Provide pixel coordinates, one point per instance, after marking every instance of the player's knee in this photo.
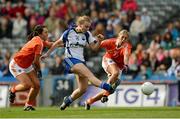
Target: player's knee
(115, 74)
(82, 89)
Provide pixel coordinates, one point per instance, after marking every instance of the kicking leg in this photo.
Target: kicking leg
(114, 72)
(82, 87)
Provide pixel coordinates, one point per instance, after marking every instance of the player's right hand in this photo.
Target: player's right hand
(43, 57)
(100, 37)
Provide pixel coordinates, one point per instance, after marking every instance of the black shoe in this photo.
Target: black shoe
(104, 99)
(29, 108)
(64, 104)
(87, 106)
(11, 97)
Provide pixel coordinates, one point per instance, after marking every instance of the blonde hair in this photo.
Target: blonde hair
(83, 19)
(124, 32)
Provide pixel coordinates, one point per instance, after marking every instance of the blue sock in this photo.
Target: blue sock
(105, 86)
(68, 100)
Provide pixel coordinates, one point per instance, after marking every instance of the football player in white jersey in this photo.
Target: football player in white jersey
(75, 40)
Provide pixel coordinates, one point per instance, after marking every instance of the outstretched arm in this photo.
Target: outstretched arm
(48, 44)
(96, 44)
(58, 43)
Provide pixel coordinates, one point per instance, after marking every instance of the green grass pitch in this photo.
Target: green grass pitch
(79, 112)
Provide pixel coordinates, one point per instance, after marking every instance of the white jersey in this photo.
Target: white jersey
(75, 42)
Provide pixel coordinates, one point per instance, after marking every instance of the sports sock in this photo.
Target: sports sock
(68, 100)
(105, 86)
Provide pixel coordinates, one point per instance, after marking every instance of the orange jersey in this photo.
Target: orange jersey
(25, 57)
(114, 53)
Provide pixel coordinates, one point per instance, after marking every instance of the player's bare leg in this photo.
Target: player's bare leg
(85, 75)
(113, 73)
(25, 84)
(103, 96)
(100, 96)
(92, 100)
(82, 87)
(33, 91)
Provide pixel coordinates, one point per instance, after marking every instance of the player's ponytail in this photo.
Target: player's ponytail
(36, 31)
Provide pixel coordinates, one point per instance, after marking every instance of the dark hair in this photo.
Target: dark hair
(36, 31)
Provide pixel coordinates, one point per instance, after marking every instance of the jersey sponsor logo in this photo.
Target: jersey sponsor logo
(77, 45)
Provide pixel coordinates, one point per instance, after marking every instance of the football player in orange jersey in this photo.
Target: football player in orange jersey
(25, 66)
(114, 61)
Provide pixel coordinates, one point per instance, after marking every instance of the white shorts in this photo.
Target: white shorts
(106, 62)
(17, 70)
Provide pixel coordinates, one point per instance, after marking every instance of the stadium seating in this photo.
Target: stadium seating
(159, 10)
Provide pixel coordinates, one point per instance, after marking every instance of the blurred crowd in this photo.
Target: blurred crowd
(151, 53)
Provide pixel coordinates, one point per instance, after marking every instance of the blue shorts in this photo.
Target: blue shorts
(70, 62)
